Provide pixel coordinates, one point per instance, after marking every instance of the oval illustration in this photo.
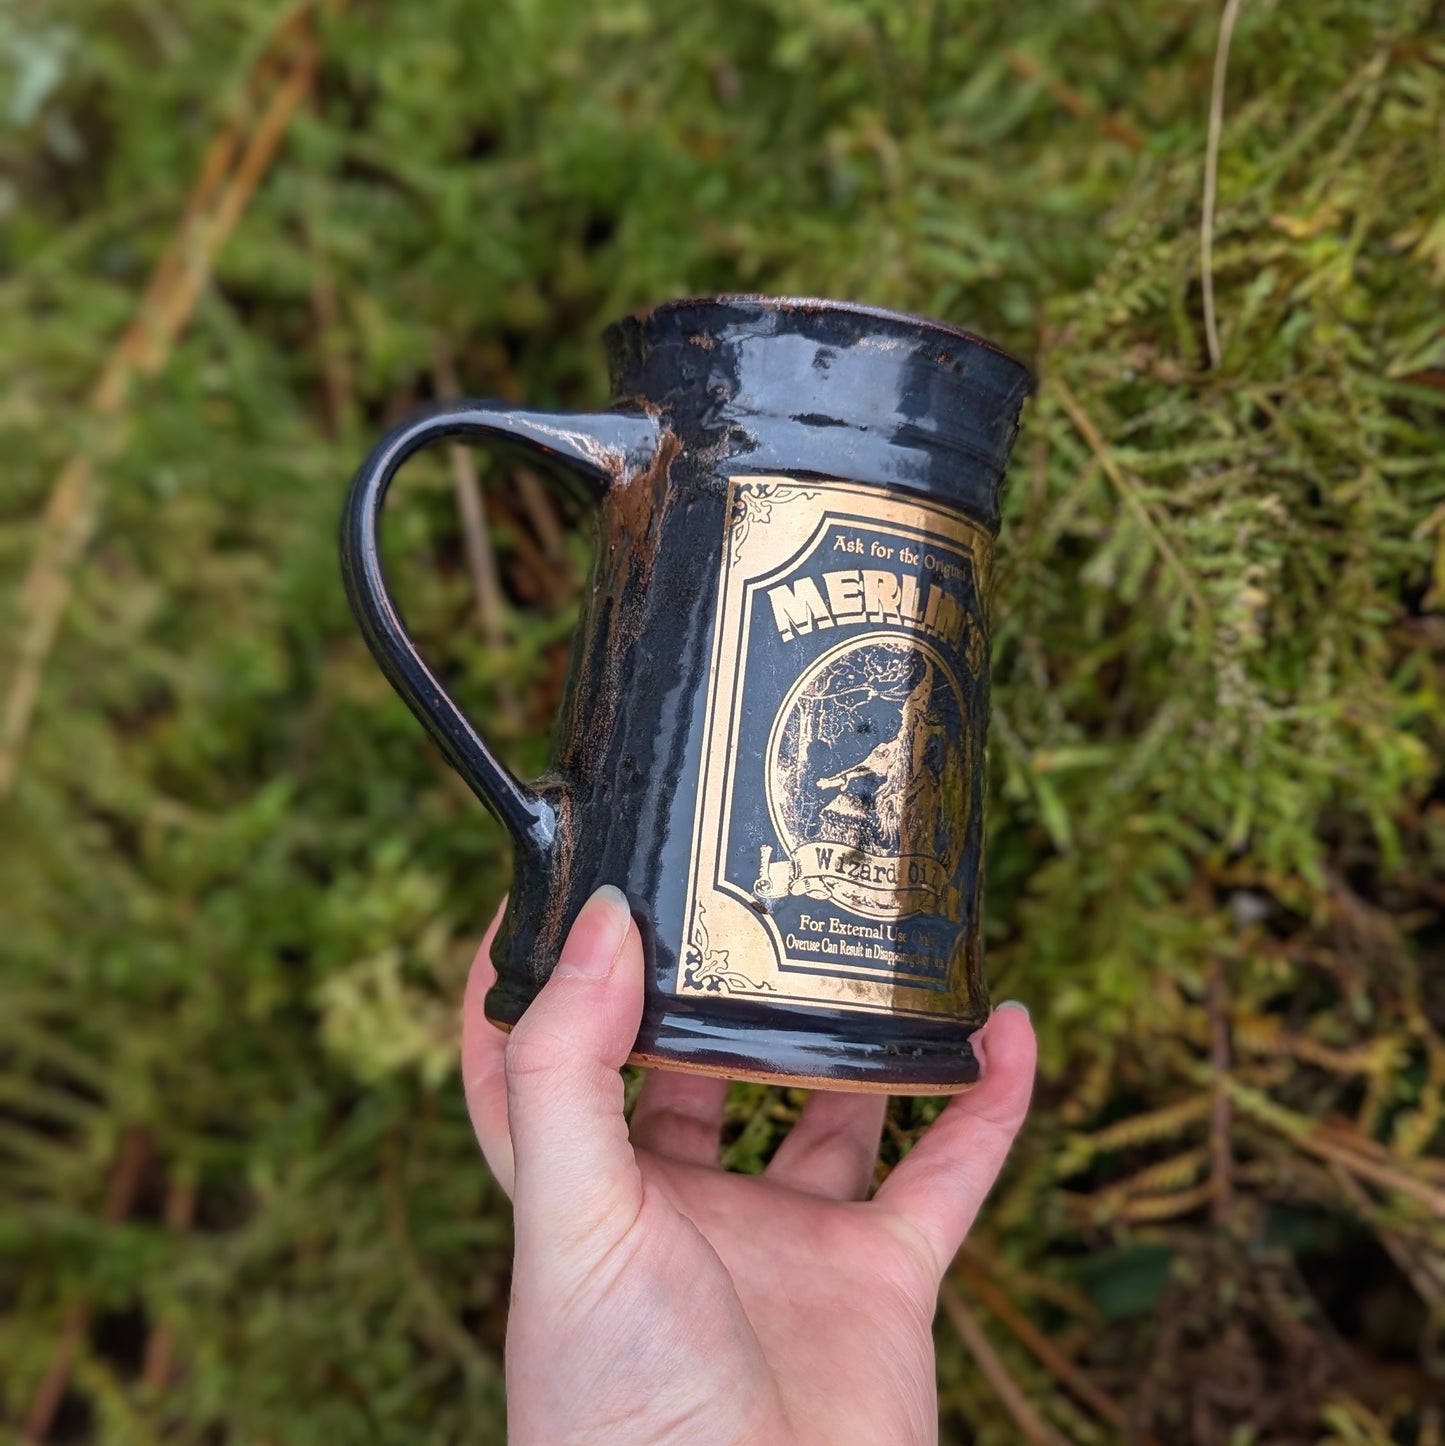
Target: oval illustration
(867, 778)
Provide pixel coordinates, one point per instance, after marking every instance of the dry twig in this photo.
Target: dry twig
(1073, 101)
(435, 1319)
(180, 1211)
(336, 377)
(1327, 1145)
(1211, 175)
(1031, 1425)
(229, 175)
(120, 1197)
(491, 604)
(542, 514)
(1425, 1273)
(1351, 1139)
(1043, 1350)
(1221, 1117)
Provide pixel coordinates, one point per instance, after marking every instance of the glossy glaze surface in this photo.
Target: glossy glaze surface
(706, 393)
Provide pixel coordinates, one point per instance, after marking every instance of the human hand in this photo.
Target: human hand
(656, 1298)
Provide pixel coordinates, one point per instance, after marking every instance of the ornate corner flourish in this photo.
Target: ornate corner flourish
(753, 502)
(707, 968)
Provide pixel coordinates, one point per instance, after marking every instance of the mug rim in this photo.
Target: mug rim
(821, 303)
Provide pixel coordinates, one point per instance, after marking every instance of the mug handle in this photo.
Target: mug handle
(601, 449)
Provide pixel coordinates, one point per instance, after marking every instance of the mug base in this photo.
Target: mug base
(809, 1050)
(757, 1074)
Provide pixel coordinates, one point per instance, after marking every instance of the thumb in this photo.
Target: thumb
(577, 1179)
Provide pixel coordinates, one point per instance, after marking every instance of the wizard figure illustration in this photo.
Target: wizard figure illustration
(894, 796)
(872, 756)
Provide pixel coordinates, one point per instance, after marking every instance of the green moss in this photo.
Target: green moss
(239, 890)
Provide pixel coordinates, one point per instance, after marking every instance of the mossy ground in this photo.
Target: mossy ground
(240, 891)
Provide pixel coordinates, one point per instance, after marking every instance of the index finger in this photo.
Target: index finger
(941, 1183)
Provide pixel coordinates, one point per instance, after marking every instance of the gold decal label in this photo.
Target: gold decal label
(838, 831)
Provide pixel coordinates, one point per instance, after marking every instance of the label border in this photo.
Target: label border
(855, 985)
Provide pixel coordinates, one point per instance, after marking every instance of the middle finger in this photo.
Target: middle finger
(680, 1115)
(833, 1148)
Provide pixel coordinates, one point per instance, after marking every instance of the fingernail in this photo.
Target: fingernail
(596, 938)
(1014, 1004)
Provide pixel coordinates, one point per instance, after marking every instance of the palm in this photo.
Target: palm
(839, 1305)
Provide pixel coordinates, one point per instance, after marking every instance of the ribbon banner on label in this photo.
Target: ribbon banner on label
(869, 884)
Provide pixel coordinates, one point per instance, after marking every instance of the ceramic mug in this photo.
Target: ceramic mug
(772, 733)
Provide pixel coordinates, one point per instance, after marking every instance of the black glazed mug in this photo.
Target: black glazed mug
(772, 733)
